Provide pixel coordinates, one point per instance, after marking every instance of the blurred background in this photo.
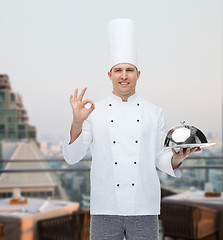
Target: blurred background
(49, 48)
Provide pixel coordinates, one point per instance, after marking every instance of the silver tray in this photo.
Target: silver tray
(201, 145)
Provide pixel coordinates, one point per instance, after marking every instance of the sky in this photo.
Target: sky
(50, 47)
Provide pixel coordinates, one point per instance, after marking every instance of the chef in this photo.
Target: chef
(125, 133)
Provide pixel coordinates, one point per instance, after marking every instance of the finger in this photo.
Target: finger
(86, 101)
(193, 149)
(92, 105)
(173, 150)
(75, 94)
(91, 108)
(82, 94)
(198, 149)
(181, 152)
(188, 151)
(71, 99)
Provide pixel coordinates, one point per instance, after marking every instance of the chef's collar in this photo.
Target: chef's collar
(119, 99)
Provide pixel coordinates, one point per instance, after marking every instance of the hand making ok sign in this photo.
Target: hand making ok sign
(80, 113)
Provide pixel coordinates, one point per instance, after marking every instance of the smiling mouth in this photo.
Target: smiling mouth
(123, 83)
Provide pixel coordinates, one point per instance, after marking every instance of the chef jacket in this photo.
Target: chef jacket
(126, 141)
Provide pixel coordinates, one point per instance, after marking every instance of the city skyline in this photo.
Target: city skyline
(49, 48)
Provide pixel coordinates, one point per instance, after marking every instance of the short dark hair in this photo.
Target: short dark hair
(132, 65)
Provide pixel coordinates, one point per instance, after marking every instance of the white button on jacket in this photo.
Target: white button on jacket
(126, 140)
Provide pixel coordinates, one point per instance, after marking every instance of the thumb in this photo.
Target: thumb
(174, 152)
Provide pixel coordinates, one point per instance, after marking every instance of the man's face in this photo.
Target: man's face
(124, 77)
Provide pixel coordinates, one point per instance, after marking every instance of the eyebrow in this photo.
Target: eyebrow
(117, 69)
(129, 68)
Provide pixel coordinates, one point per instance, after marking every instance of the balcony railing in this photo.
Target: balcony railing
(74, 180)
(68, 169)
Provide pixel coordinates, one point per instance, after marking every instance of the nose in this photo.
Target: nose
(124, 75)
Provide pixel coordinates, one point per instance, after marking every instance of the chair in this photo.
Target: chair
(165, 193)
(85, 232)
(2, 230)
(186, 221)
(75, 226)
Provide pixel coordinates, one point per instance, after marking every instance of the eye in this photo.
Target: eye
(130, 70)
(117, 70)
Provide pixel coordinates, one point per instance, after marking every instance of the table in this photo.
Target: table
(198, 198)
(21, 220)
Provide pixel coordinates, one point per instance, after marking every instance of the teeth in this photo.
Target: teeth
(124, 83)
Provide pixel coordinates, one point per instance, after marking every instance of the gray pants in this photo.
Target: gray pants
(114, 227)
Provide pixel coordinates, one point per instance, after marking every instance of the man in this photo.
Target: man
(126, 135)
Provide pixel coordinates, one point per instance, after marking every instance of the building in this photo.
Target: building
(20, 150)
(32, 184)
(13, 116)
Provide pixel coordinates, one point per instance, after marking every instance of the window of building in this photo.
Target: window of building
(3, 112)
(34, 194)
(12, 127)
(21, 135)
(12, 97)
(2, 96)
(22, 127)
(3, 119)
(2, 135)
(3, 105)
(49, 194)
(13, 112)
(12, 135)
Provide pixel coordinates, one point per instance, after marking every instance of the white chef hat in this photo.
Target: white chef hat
(122, 42)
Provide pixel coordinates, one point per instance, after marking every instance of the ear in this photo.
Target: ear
(109, 75)
(138, 74)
